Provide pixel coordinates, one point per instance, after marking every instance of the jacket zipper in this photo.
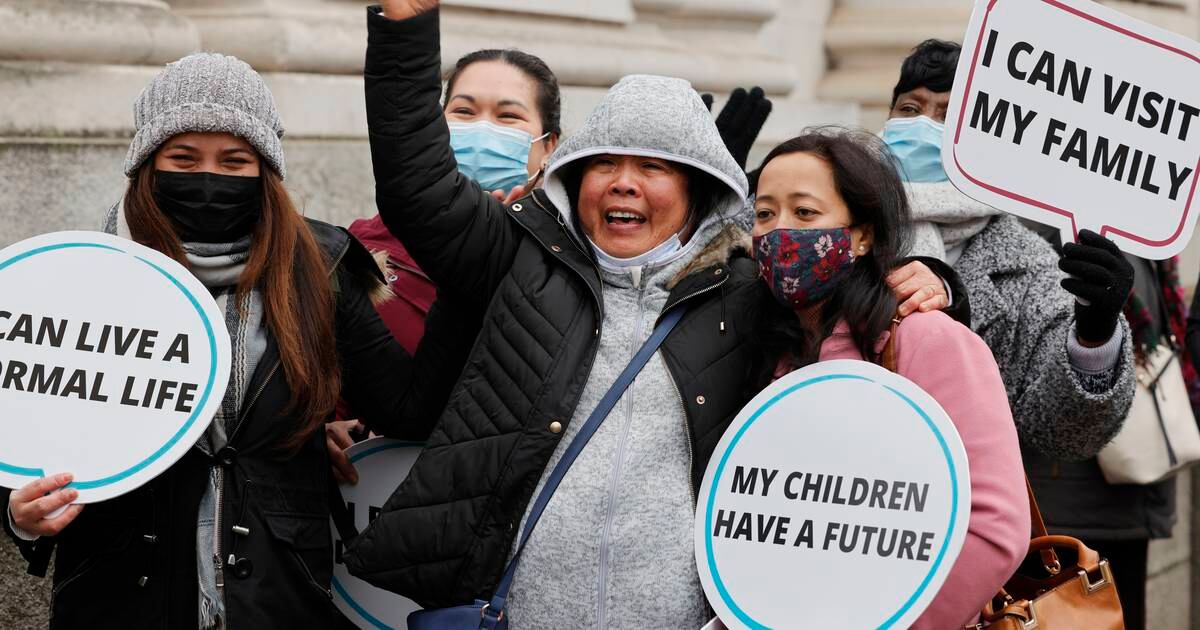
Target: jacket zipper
(83, 569)
(218, 560)
(693, 294)
(614, 477)
(687, 432)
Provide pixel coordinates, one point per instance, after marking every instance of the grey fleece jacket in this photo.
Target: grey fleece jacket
(614, 547)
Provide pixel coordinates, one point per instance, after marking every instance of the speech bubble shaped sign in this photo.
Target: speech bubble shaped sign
(834, 472)
(113, 361)
(1071, 114)
(382, 463)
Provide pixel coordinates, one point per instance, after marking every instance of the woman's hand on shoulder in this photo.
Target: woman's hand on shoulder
(516, 193)
(404, 9)
(31, 505)
(917, 288)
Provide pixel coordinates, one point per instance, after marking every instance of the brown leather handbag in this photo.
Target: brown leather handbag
(1051, 594)
(1046, 593)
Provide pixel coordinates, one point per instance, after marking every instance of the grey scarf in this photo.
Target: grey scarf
(218, 266)
(944, 219)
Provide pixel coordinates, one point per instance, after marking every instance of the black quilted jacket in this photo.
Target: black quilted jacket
(444, 535)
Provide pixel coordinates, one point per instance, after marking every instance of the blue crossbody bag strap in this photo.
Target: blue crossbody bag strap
(494, 611)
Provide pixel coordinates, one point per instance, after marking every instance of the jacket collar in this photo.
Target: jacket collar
(987, 257)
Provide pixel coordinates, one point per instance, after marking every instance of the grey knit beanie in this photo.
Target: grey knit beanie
(206, 92)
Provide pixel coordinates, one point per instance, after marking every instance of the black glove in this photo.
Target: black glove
(740, 120)
(1100, 276)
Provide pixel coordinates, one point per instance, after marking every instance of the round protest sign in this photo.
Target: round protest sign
(382, 464)
(838, 498)
(113, 361)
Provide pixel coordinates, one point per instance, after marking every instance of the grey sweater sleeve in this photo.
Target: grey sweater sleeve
(1059, 411)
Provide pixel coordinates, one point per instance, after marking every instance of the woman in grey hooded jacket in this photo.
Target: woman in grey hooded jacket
(566, 284)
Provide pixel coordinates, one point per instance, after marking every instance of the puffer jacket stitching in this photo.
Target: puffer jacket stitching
(506, 470)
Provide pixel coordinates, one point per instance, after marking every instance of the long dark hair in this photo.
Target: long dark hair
(549, 99)
(866, 178)
(289, 268)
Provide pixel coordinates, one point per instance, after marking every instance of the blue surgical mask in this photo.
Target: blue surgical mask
(917, 144)
(495, 157)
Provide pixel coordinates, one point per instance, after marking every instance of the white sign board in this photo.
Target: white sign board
(382, 464)
(837, 475)
(113, 361)
(1071, 114)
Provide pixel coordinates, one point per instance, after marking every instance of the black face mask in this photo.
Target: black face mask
(209, 208)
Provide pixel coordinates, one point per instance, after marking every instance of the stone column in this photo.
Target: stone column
(773, 44)
(867, 40)
(69, 71)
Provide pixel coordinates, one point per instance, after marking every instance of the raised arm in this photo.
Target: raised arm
(457, 233)
(395, 394)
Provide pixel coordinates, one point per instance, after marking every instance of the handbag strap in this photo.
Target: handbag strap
(890, 357)
(1049, 557)
(1035, 513)
(494, 610)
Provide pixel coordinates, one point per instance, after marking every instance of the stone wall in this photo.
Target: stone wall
(70, 70)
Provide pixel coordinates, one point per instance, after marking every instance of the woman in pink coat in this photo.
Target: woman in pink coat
(831, 217)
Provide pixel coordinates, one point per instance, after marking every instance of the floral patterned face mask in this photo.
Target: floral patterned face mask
(803, 267)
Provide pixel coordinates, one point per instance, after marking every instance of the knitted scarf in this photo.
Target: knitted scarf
(218, 266)
(943, 218)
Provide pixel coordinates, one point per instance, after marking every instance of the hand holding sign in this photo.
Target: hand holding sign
(37, 508)
(1101, 279)
(384, 463)
(1054, 118)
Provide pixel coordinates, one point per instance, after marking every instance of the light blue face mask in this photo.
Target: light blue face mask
(494, 156)
(917, 144)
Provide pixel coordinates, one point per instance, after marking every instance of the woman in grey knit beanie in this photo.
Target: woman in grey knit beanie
(236, 533)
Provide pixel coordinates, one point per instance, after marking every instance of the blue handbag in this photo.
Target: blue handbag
(489, 615)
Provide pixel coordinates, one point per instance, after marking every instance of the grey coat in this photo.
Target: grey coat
(1024, 315)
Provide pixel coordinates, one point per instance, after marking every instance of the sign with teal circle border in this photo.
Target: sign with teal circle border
(382, 463)
(815, 489)
(114, 359)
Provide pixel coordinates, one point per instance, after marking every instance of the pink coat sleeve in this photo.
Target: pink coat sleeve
(956, 367)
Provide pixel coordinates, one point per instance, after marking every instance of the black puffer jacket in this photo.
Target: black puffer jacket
(444, 536)
(131, 562)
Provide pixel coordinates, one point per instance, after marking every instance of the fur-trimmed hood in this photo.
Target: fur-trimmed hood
(730, 241)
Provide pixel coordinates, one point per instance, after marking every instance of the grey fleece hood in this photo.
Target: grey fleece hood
(652, 116)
